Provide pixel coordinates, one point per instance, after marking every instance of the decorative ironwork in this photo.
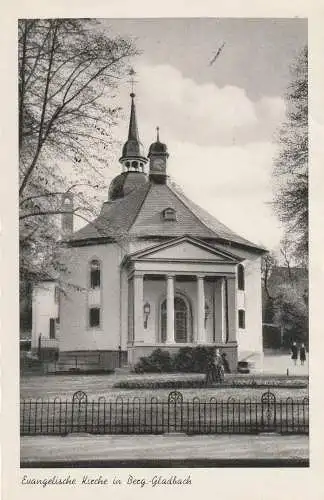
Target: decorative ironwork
(79, 397)
(268, 401)
(175, 397)
(154, 416)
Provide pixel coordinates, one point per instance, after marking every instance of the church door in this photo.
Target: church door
(181, 320)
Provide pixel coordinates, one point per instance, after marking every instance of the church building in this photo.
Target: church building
(155, 270)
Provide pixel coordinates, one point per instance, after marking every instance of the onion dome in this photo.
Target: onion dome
(125, 183)
(158, 147)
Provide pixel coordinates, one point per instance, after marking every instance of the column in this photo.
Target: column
(223, 310)
(170, 309)
(138, 308)
(201, 333)
(232, 309)
(220, 310)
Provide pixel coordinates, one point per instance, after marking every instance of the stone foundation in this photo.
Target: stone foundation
(87, 360)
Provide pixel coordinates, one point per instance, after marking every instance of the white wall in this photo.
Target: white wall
(44, 307)
(75, 332)
(250, 338)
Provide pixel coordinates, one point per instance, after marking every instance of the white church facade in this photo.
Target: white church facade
(154, 270)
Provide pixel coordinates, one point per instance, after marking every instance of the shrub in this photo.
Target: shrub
(158, 361)
(183, 360)
(193, 359)
(187, 360)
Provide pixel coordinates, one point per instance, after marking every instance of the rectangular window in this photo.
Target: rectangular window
(241, 318)
(95, 278)
(52, 328)
(94, 317)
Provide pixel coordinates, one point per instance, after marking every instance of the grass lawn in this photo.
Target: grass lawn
(64, 386)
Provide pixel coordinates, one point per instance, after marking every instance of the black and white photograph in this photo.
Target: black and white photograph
(163, 245)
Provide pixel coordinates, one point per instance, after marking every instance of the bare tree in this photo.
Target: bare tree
(69, 71)
(268, 262)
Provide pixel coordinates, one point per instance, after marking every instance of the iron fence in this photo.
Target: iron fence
(154, 416)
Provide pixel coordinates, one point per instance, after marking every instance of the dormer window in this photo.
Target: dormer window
(169, 214)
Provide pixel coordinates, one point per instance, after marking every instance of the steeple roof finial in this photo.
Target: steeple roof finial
(158, 134)
(132, 153)
(132, 130)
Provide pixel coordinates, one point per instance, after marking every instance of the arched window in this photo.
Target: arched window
(240, 277)
(241, 318)
(182, 320)
(94, 274)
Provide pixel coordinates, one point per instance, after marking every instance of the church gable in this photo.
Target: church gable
(185, 249)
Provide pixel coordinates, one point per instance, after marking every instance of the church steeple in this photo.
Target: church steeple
(133, 158)
(133, 130)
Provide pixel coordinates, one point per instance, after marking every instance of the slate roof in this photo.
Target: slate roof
(139, 215)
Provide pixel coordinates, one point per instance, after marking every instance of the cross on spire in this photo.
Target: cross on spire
(132, 80)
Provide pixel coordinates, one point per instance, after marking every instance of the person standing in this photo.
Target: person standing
(302, 354)
(218, 367)
(225, 363)
(294, 352)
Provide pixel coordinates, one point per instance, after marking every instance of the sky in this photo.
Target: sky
(219, 121)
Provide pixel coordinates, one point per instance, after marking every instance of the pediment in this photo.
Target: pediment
(185, 249)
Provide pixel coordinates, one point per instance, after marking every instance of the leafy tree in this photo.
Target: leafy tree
(291, 165)
(285, 297)
(68, 71)
(291, 312)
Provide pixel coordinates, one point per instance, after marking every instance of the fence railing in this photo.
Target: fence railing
(154, 416)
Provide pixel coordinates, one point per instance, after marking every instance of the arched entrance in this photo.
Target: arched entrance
(182, 320)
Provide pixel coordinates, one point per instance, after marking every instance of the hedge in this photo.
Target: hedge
(238, 383)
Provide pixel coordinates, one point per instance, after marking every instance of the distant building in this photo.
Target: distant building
(154, 270)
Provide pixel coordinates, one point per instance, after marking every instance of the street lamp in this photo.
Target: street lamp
(147, 310)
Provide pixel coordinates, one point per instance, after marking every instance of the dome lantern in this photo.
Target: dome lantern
(158, 155)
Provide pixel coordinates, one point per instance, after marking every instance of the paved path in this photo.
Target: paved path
(170, 446)
(279, 363)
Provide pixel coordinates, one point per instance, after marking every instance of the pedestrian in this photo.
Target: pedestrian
(294, 352)
(302, 354)
(218, 371)
(209, 372)
(225, 363)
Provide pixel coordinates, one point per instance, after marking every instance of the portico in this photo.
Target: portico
(190, 301)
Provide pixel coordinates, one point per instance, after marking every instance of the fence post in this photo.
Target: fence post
(39, 345)
(119, 356)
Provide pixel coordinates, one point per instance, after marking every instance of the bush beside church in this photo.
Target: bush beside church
(186, 360)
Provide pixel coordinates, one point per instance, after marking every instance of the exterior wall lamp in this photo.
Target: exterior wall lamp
(147, 310)
(207, 311)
